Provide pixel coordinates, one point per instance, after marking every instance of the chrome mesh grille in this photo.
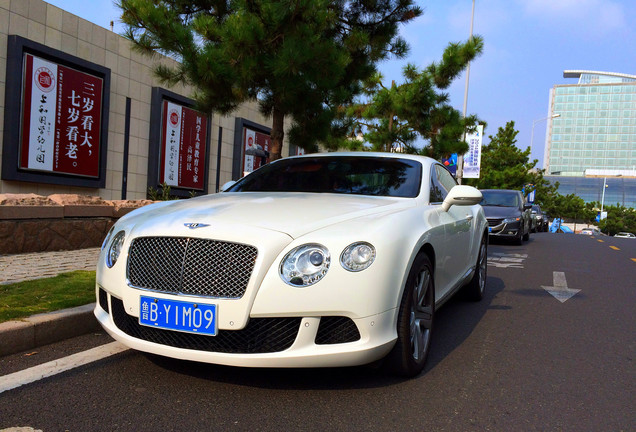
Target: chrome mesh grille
(192, 266)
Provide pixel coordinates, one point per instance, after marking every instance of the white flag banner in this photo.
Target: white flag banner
(472, 159)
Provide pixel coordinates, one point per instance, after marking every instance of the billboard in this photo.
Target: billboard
(472, 159)
(183, 146)
(56, 117)
(255, 149)
(61, 119)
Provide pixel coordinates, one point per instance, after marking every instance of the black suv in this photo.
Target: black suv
(539, 218)
(507, 213)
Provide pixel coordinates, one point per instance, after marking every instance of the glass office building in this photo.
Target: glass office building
(593, 125)
(591, 137)
(618, 190)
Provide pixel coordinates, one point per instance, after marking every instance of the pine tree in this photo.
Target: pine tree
(506, 166)
(398, 114)
(298, 58)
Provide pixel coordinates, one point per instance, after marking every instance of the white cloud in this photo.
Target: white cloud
(591, 16)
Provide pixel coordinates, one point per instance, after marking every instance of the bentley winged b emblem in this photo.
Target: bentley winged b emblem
(195, 225)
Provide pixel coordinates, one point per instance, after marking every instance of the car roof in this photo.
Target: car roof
(370, 154)
(506, 191)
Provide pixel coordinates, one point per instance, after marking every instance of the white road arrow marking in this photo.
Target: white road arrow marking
(560, 290)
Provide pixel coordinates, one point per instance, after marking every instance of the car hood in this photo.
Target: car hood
(497, 212)
(294, 214)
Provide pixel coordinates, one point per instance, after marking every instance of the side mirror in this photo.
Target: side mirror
(227, 185)
(463, 196)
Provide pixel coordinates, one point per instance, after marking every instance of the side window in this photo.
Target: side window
(441, 183)
(445, 178)
(437, 192)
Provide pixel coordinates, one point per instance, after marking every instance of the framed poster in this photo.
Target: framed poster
(57, 109)
(255, 149)
(179, 144)
(252, 143)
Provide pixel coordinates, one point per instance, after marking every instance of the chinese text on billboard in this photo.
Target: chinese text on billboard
(184, 138)
(61, 119)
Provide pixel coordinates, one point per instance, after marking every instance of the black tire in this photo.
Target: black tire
(476, 288)
(519, 238)
(415, 321)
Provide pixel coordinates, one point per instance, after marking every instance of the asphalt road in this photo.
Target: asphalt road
(521, 360)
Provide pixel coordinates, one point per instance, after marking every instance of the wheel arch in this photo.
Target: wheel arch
(428, 249)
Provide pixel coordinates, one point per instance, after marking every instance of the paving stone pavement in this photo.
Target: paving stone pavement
(20, 267)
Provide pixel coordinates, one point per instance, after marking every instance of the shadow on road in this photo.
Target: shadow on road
(454, 323)
(457, 319)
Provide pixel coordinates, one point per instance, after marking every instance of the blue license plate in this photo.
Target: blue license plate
(189, 317)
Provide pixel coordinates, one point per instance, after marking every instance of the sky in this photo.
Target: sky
(527, 46)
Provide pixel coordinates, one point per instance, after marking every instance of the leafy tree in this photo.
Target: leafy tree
(297, 58)
(571, 207)
(619, 218)
(589, 213)
(503, 164)
(399, 114)
(506, 166)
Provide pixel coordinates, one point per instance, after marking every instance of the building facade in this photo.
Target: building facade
(593, 125)
(82, 113)
(591, 137)
(618, 190)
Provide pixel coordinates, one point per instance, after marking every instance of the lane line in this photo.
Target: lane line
(600, 241)
(55, 367)
(614, 247)
(634, 259)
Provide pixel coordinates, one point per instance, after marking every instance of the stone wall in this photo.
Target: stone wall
(48, 235)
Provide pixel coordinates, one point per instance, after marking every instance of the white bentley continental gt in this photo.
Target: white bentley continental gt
(334, 259)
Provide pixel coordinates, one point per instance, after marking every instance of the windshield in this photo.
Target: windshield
(375, 176)
(499, 198)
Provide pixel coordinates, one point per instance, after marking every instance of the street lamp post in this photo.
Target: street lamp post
(460, 157)
(605, 185)
(534, 123)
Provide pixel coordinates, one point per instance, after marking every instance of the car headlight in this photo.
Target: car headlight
(357, 256)
(305, 265)
(115, 248)
(511, 220)
(110, 232)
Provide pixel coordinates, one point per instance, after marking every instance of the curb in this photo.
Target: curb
(43, 329)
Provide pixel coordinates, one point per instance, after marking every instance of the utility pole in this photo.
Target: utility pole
(460, 158)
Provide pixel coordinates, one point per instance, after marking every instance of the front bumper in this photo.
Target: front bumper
(299, 344)
(504, 229)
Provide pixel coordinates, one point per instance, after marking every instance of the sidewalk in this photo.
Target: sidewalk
(42, 329)
(17, 268)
